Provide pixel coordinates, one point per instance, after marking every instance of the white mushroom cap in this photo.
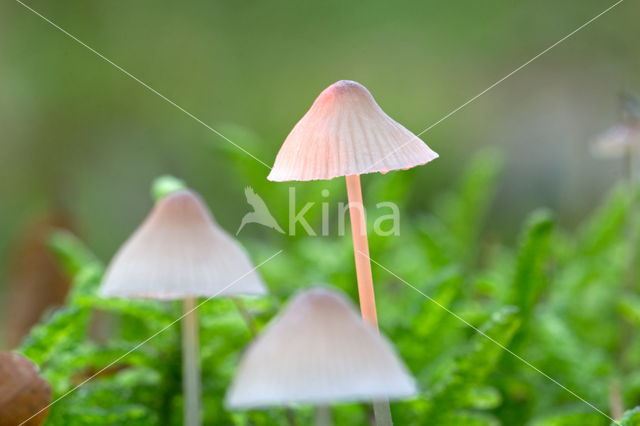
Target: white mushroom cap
(179, 251)
(319, 351)
(616, 141)
(346, 133)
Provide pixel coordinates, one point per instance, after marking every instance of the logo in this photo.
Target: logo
(260, 214)
(383, 224)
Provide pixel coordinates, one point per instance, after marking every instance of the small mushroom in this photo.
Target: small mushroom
(317, 351)
(622, 140)
(179, 252)
(617, 141)
(24, 395)
(346, 133)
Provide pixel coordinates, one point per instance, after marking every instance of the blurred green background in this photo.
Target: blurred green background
(81, 142)
(77, 132)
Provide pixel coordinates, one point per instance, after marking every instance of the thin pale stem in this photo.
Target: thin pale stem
(361, 251)
(366, 292)
(382, 413)
(191, 364)
(627, 165)
(323, 415)
(632, 221)
(616, 402)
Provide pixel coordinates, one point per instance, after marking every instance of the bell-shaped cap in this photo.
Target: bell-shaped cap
(617, 141)
(346, 133)
(179, 251)
(318, 351)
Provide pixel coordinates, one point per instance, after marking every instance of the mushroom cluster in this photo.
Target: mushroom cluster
(317, 351)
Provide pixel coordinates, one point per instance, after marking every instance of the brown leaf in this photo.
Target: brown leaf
(35, 281)
(23, 392)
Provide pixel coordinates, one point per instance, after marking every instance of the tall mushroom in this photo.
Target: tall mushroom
(346, 133)
(179, 252)
(317, 351)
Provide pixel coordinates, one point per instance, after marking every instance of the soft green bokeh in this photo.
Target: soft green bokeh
(479, 325)
(80, 136)
(82, 139)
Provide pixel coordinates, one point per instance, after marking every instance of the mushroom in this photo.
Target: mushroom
(346, 133)
(24, 395)
(179, 252)
(317, 351)
(623, 139)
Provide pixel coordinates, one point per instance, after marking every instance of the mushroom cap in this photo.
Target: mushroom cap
(179, 251)
(23, 392)
(616, 141)
(346, 133)
(318, 351)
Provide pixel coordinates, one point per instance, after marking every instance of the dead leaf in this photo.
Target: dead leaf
(23, 392)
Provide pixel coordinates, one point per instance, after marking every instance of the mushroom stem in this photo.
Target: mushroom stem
(191, 364)
(616, 403)
(365, 278)
(627, 165)
(382, 413)
(361, 251)
(323, 415)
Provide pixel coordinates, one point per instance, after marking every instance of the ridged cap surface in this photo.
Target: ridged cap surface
(179, 251)
(346, 133)
(319, 351)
